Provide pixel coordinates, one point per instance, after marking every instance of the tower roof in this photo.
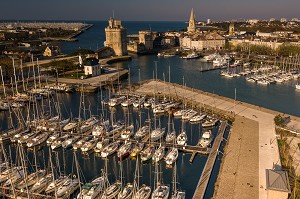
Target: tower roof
(192, 17)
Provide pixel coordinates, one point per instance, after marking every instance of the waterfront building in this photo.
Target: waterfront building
(245, 41)
(146, 37)
(192, 23)
(202, 41)
(92, 67)
(116, 37)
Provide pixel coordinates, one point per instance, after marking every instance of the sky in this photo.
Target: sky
(147, 10)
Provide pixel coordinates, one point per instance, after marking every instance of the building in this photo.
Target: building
(231, 31)
(116, 37)
(282, 20)
(202, 41)
(146, 37)
(104, 52)
(92, 67)
(192, 23)
(268, 43)
(49, 52)
(277, 184)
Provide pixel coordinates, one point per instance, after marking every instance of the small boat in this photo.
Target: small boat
(147, 153)
(39, 139)
(42, 184)
(110, 149)
(127, 132)
(137, 149)
(89, 145)
(161, 192)
(197, 118)
(92, 189)
(142, 132)
(157, 134)
(181, 138)
(67, 188)
(192, 55)
(124, 151)
(172, 156)
(159, 154)
(112, 191)
(127, 192)
(210, 123)
(206, 139)
(57, 183)
(144, 192)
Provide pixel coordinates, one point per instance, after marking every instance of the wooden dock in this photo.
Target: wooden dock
(205, 176)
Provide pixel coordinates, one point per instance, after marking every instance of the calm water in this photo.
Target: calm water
(282, 98)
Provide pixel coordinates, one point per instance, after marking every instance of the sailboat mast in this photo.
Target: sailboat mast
(22, 72)
(3, 82)
(15, 76)
(33, 72)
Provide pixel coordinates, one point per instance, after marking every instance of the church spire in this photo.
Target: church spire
(192, 22)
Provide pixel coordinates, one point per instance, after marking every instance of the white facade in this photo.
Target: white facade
(94, 70)
(202, 41)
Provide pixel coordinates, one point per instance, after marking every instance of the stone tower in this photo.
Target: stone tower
(192, 23)
(116, 37)
(231, 29)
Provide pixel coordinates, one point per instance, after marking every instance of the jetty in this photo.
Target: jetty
(267, 147)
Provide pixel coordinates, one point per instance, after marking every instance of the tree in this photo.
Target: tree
(278, 120)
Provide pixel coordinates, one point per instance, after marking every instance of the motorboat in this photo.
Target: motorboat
(182, 138)
(206, 139)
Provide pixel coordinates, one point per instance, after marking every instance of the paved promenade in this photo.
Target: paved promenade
(259, 121)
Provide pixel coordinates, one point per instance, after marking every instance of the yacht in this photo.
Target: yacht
(182, 138)
(147, 153)
(39, 139)
(42, 184)
(67, 188)
(137, 149)
(127, 192)
(159, 154)
(88, 124)
(58, 142)
(69, 142)
(124, 151)
(206, 139)
(197, 118)
(92, 189)
(170, 137)
(110, 149)
(89, 145)
(142, 132)
(172, 156)
(161, 192)
(209, 123)
(77, 145)
(54, 185)
(157, 134)
(127, 132)
(112, 191)
(100, 145)
(52, 138)
(143, 193)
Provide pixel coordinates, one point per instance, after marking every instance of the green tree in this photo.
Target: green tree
(278, 120)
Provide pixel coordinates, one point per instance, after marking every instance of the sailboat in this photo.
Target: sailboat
(159, 154)
(68, 187)
(172, 156)
(177, 194)
(92, 189)
(181, 138)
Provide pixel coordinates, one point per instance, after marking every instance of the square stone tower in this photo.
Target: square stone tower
(116, 37)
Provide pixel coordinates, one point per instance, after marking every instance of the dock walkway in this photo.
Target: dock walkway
(205, 176)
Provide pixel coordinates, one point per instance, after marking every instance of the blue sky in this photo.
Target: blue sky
(147, 10)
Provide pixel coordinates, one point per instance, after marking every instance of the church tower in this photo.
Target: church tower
(192, 23)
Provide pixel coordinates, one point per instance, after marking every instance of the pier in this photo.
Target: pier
(205, 176)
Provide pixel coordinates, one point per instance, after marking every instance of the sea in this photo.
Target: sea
(283, 98)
